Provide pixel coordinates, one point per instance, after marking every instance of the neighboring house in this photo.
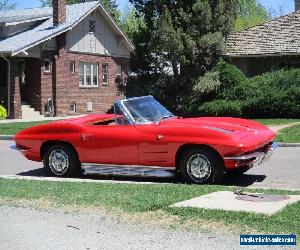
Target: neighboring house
(272, 45)
(70, 53)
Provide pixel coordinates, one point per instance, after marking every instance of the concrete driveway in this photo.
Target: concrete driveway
(282, 171)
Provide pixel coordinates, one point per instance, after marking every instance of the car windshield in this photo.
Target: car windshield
(144, 110)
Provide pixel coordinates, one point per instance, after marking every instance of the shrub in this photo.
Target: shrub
(221, 108)
(274, 104)
(230, 77)
(3, 113)
(271, 95)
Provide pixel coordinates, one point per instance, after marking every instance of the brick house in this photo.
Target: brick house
(272, 45)
(69, 53)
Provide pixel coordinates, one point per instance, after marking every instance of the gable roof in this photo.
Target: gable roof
(45, 31)
(280, 36)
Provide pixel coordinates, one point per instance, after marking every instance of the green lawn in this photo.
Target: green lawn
(13, 128)
(278, 121)
(152, 200)
(289, 135)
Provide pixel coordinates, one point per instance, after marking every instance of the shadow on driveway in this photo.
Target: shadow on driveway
(244, 180)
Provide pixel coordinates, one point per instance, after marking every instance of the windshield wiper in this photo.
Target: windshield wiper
(164, 117)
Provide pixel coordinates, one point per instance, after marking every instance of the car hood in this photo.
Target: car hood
(218, 123)
(247, 133)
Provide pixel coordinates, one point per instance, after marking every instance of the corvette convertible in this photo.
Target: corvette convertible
(143, 138)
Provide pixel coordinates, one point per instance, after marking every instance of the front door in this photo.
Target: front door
(111, 144)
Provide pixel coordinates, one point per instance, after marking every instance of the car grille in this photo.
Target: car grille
(264, 149)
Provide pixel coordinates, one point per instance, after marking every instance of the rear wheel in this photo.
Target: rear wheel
(200, 165)
(61, 160)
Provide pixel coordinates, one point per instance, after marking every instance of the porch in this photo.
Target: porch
(24, 87)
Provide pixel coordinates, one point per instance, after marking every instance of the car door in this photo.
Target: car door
(111, 144)
(154, 147)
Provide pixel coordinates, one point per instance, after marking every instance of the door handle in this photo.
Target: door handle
(85, 137)
(159, 137)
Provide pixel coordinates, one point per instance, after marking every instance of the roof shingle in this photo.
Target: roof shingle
(275, 37)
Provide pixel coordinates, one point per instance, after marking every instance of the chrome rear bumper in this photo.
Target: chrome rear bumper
(256, 158)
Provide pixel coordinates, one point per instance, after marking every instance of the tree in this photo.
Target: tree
(110, 6)
(178, 44)
(250, 13)
(130, 22)
(4, 5)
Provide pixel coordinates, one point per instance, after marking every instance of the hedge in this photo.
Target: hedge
(271, 95)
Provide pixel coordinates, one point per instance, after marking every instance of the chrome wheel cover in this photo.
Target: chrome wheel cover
(58, 162)
(199, 168)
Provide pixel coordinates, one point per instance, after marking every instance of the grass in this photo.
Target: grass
(153, 199)
(13, 128)
(289, 135)
(278, 121)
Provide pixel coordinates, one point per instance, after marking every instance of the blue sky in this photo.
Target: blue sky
(36, 3)
(277, 7)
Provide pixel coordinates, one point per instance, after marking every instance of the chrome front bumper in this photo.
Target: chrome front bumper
(256, 158)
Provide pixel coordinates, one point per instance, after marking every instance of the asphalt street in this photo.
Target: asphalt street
(281, 171)
(25, 228)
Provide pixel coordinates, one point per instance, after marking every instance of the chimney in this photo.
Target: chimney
(297, 5)
(59, 12)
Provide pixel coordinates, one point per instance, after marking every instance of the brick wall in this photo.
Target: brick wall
(68, 91)
(103, 96)
(15, 97)
(47, 80)
(60, 77)
(59, 11)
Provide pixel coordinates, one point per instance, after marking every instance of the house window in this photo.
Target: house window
(92, 26)
(73, 107)
(119, 70)
(47, 66)
(88, 75)
(72, 67)
(105, 73)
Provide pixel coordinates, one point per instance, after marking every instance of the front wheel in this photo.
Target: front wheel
(61, 160)
(200, 165)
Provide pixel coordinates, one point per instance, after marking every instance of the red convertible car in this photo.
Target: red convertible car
(142, 138)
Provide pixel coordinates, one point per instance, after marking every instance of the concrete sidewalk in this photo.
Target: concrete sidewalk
(25, 228)
(276, 128)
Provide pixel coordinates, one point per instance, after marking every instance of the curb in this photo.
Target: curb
(7, 137)
(77, 180)
(286, 145)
